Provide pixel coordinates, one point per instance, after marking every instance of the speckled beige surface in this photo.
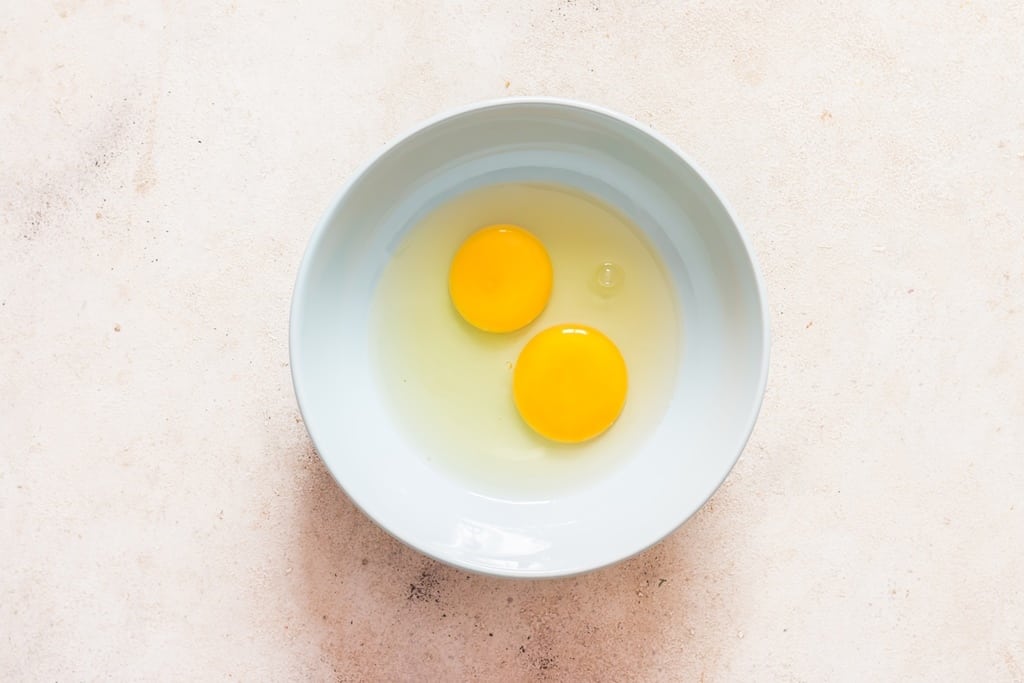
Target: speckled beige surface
(163, 514)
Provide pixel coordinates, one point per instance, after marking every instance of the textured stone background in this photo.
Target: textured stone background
(163, 514)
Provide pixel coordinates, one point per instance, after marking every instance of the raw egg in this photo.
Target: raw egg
(467, 366)
(570, 383)
(500, 279)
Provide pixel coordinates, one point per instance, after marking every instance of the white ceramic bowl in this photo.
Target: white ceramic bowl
(723, 363)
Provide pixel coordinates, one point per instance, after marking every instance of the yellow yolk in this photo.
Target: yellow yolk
(570, 383)
(500, 279)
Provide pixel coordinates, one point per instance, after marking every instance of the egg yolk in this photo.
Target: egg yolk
(500, 279)
(569, 383)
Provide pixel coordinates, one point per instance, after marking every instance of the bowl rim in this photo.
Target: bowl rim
(320, 230)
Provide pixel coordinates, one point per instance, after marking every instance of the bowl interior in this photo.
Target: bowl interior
(721, 375)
